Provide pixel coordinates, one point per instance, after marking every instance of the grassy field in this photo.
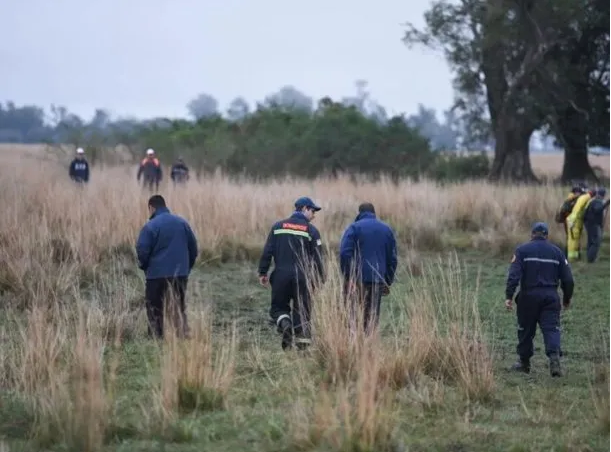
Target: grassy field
(79, 374)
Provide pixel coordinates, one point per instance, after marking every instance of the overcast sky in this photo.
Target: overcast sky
(148, 58)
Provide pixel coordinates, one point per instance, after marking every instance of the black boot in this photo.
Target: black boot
(286, 329)
(554, 366)
(522, 365)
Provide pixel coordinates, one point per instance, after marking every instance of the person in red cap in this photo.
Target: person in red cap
(295, 246)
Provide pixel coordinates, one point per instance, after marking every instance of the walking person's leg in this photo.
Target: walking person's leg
(549, 322)
(301, 313)
(176, 304)
(372, 301)
(527, 316)
(280, 310)
(154, 307)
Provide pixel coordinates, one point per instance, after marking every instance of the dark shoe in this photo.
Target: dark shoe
(554, 366)
(521, 366)
(286, 330)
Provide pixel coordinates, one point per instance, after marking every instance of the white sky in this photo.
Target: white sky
(148, 58)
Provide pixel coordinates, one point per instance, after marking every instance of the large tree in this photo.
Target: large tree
(503, 54)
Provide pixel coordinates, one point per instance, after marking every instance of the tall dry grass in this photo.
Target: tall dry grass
(49, 224)
(352, 380)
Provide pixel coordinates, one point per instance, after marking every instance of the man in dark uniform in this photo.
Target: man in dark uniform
(593, 220)
(179, 172)
(150, 171)
(296, 248)
(537, 266)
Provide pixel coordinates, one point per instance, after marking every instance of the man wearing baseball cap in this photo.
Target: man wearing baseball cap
(79, 168)
(537, 266)
(296, 248)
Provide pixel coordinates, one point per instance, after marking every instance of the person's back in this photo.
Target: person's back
(292, 248)
(595, 212)
(167, 247)
(368, 248)
(179, 172)
(150, 170)
(542, 263)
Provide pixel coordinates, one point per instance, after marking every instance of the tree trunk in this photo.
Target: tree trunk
(511, 153)
(573, 129)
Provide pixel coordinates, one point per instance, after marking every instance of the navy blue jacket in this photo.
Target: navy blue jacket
(538, 266)
(293, 243)
(166, 246)
(79, 170)
(369, 249)
(595, 212)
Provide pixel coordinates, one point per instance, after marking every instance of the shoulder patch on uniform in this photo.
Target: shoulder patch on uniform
(566, 262)
(296, 227)
(318, 242)
(513, 258)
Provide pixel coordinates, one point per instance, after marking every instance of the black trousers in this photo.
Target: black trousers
(166, 297)
(541, 309)
(151, 185)
(287, 286)
(366, 300)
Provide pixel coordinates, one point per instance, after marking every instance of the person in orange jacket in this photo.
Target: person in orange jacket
(150, 171)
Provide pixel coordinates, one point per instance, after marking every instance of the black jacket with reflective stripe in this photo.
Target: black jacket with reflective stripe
(294, 244)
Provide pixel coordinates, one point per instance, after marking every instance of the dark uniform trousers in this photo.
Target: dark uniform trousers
(365, 301)
(594, 240)
(287, 286)
(152, 185)
(540, 307)
(166, 297)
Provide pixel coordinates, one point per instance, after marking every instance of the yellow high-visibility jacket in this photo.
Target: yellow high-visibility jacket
(579, 209)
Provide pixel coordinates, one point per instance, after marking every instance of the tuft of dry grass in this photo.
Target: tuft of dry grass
(196, 372)
(58, 368)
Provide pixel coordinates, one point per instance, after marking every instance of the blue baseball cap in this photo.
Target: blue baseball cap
(306, 202)
(601, 192)
(540, 228)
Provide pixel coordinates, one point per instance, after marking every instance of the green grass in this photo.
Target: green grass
(526, 413)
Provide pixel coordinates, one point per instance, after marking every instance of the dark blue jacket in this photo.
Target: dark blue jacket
(595, 212)
(369, 249)
(79, 170)
(293, 243)
(537, 266)
(166, 246)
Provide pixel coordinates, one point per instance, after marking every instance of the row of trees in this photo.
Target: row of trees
(526, 65)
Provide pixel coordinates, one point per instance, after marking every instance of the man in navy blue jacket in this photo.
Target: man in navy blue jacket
(167, 249)
(79, 168)
(368, 261)
(537, 267)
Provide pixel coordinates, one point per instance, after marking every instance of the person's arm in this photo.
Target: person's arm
(514, 275)
(192, 246)
(347, 248)
(71, 171)
(144, 247)
(391, 258)
(268, 252)
(159, 173)
(566, 281)
(86, 172)
(317, 253)
(140, 169)
(173, 173)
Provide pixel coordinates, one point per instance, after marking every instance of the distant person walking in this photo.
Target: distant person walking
(79, 168)
(166, 249)
(150, 171)
(368, 261)
(593, 220)
(179, 172)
